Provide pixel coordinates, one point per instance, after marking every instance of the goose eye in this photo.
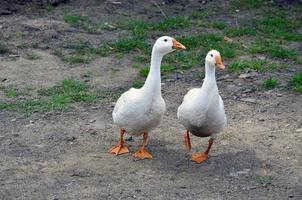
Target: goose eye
(165, 40)
(211, 55)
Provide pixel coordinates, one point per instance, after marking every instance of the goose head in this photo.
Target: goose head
(166, 44)
(213, 58)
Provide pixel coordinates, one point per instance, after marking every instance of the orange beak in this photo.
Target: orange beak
(218, 62)
(177, 45)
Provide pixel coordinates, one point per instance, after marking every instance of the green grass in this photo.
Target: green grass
(122, 46)
(245, 4)
(264, 179)
(142, 58)
(33, 56)
(76, 20)
(270, 83)
(20, 34)
(69, 91)
(3, 48)
(135, 66)
(228, 136)
(50, 8)
(126, 45)
(144, 71)
(138, 28)
(242, 65)
(232, 32)
(167, 68)
(219, 25)
(22, 46)
(82, 47)
(270, 29)
(183, 60)
(104, 49)
(84, 22)
(58, 52)
(11, 92)
(273, 49)
(164, 69)
(176, 61)
(60, 97)
(278, 51)
(209, 41)
(204, 14)
(296, 82)
(137, 83)
(141, 28)
(172, 23)
(279, 26)
(199, 76)
(83, 52)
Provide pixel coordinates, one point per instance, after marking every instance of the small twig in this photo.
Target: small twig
(159, 8)
(13, 56)
(115, 2)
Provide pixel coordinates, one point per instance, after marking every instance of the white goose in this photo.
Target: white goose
(138, 111)
(202, 110)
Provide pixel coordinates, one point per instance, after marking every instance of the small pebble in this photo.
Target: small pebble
(91, 121)
(91, 131)
(299, 130)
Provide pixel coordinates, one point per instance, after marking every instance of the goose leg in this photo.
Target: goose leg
(200, 157)
(142, 153)
(187, 140)
(120, 148)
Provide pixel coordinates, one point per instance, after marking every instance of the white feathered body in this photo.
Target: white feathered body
(202, 110)
(138, 111)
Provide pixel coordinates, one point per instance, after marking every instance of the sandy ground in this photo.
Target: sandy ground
(63, 155)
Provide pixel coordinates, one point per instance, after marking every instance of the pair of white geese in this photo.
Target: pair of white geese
(138, 111)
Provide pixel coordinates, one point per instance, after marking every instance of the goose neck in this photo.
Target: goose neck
(210, 78)
(153, 79)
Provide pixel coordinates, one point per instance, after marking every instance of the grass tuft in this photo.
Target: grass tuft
(12, 92)
(241, 65)
(138, 28)
(219, 25)
(129, 44)
(270, 83)
(245, 4)
(209, 41)
(172, 23)
(264, 179)
(69, 91)
(3, 48)
(33, 56)
(228, 136)
(85, 23)
(296, 82)
(60, 97)
(144, 71)
(76, 20)
(274, 50)
(240, 32)
(137, 83)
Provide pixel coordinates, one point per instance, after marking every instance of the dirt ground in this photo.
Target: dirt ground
(63, 154)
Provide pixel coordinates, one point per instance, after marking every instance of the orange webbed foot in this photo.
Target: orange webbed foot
(119, 149)
(142, 154)
(199, 157)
